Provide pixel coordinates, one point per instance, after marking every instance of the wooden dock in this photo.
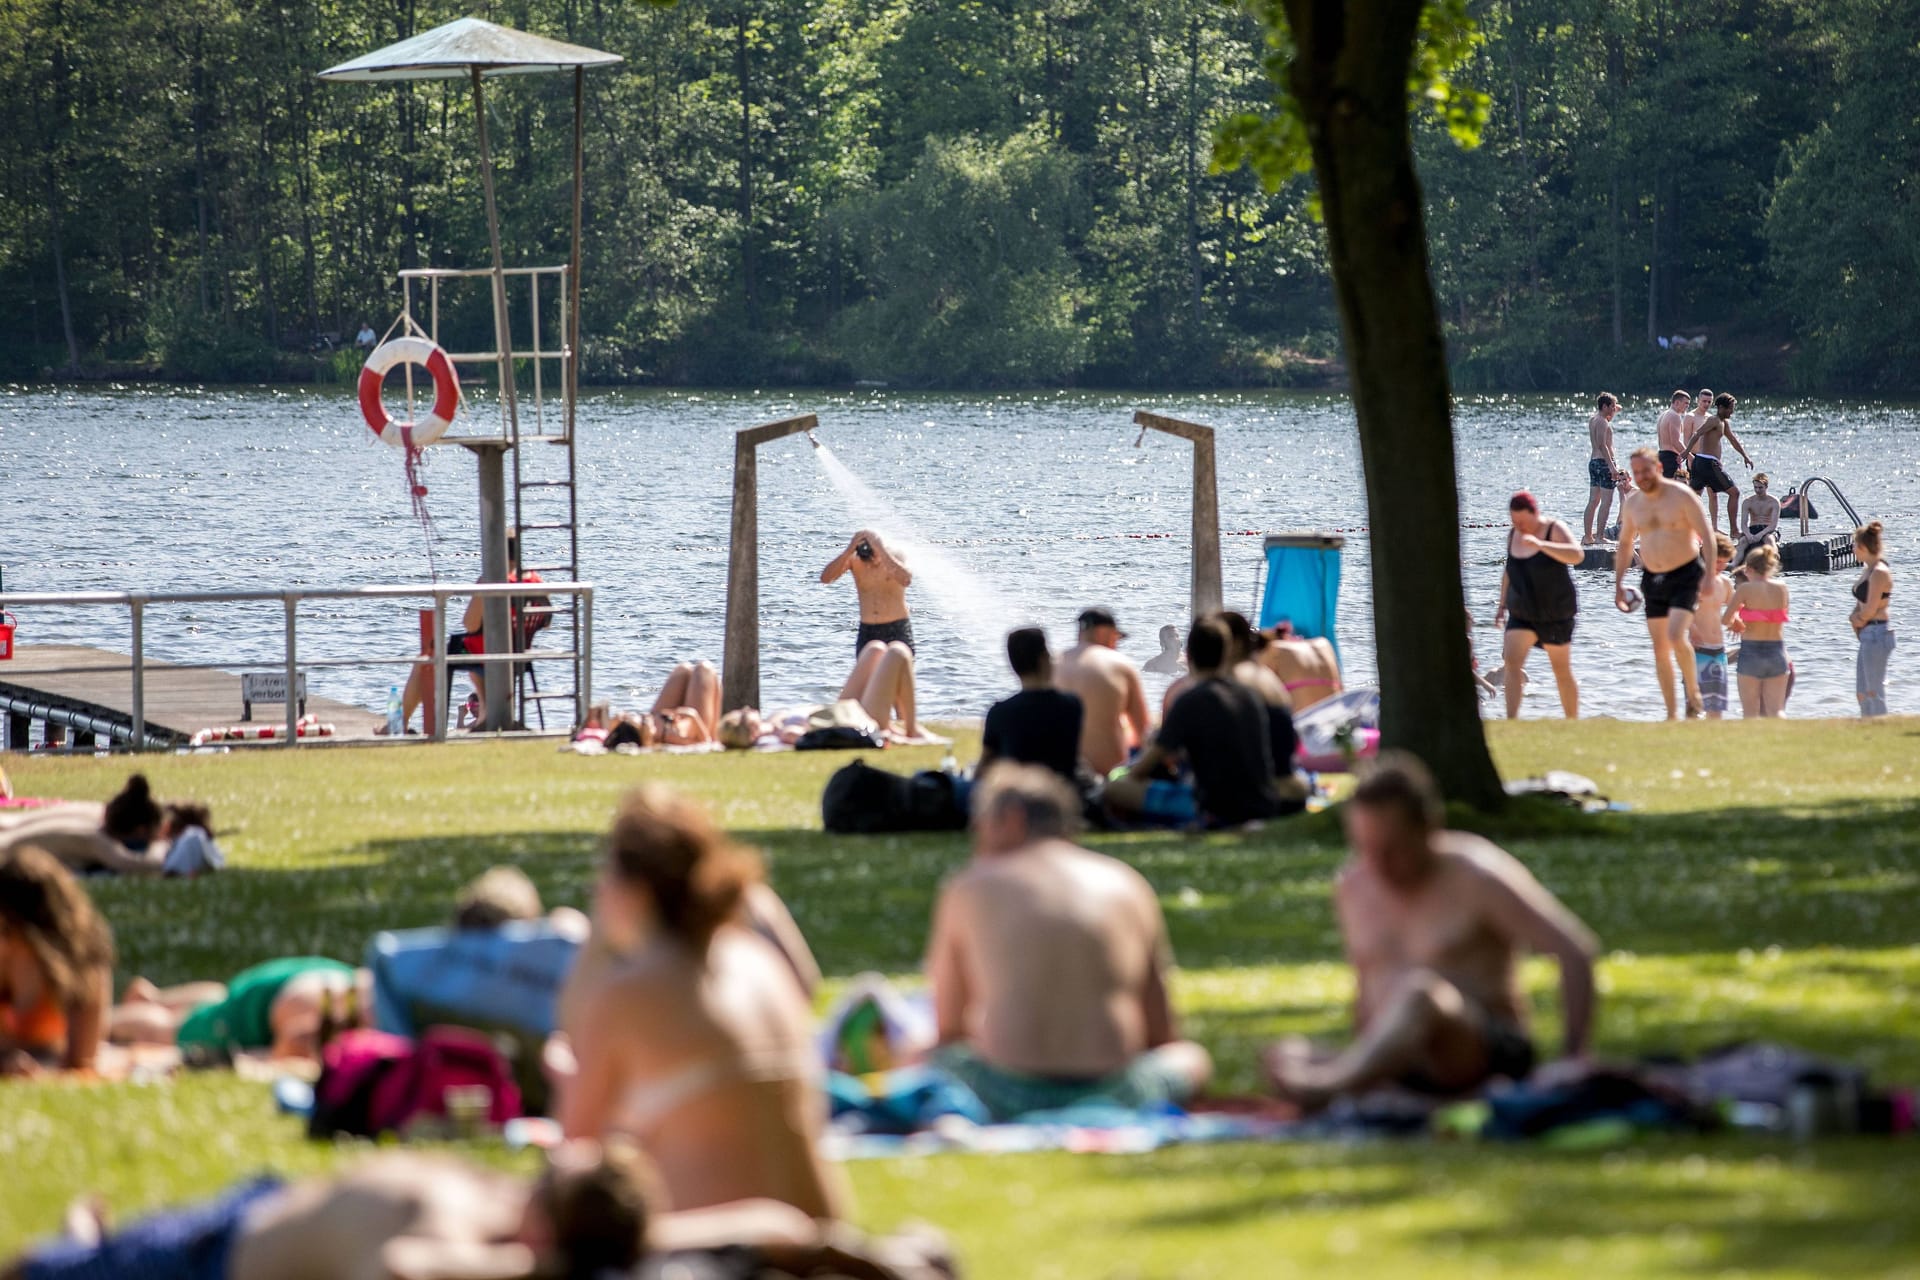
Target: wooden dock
(87, 694)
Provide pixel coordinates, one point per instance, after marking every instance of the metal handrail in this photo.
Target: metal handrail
(1806, 501)
(136, 602)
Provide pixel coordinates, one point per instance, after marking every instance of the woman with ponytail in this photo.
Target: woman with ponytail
(685, 1028)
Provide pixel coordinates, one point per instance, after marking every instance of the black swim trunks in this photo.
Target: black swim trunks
(1674, 589)
(1599, 474)
(1669, 463)
(885, 633)
(1707, 473)
(1544, 633)
(1510, 1055)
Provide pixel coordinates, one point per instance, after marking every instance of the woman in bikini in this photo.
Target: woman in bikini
(686, 714)
(1310, 669)
(1870, 622)
(56, 967)
(687, 1030)
(1758, 612)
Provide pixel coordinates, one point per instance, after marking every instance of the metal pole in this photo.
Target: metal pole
(573, 262)
(438, 729)
(503, 334)
(583, 676)
(137, 607)
(291, 601)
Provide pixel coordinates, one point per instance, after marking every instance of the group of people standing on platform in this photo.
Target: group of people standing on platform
(1696, 584)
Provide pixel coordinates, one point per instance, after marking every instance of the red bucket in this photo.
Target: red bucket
(7, 624)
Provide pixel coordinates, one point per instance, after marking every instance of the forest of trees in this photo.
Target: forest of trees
(966, 193)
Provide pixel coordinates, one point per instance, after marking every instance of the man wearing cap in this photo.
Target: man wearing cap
(1108, 686)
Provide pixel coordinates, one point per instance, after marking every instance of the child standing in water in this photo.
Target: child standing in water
(1709, 635)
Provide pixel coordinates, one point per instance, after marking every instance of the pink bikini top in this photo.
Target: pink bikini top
(1763, 615)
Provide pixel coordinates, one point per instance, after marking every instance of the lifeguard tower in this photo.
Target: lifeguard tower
(537, 425)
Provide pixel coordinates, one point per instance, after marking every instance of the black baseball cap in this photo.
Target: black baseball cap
(1091, 618)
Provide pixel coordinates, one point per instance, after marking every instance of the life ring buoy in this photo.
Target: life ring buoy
(446, 391)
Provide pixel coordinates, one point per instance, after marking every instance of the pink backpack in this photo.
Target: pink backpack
(373, 1082)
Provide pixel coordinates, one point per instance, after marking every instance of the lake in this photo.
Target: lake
(1037, 501)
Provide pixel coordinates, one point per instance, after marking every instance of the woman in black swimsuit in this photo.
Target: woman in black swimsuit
(1870, 621)
(1537, 599)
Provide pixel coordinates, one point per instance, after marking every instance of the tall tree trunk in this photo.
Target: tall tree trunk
(1653, 272)
(58, 245)
(1616, 78)
(1193, 178)
(1349, 75)
(742, 69)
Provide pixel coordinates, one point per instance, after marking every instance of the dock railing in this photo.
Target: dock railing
(498, 665)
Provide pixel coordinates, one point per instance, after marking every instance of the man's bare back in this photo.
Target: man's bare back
(1669, 523)
(1057, 950)
(1108, 686)
(344, 1227)
(1671, 431)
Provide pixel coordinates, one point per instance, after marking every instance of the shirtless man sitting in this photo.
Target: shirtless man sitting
(1108, 686)
(1434, 922)
(433, 1217)
(881, 582)
(1674, 537)
(1760, 517)
(1049, 964)
(1706, 467)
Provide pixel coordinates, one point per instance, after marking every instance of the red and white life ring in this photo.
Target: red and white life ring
(446, 391)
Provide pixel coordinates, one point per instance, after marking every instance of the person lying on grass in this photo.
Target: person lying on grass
(56, 967)
(686, 713)
(129, 835)
(1049, 964)
(278, 1008)
(878, 698)
(1434, 923)
(408, 1216)
(685, 1028)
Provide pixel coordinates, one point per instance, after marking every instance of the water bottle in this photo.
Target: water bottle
(396, 712)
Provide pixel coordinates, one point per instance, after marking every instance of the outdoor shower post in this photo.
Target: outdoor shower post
(1204, 594)
(740, 654)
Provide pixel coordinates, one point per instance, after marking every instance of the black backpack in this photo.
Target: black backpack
(863, 800)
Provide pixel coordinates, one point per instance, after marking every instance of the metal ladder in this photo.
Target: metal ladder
(546, 507)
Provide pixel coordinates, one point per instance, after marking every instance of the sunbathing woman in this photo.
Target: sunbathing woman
(276, 1007)
(121, 836)
(880, 691)
(686, 713)
(687, 1029)
(56, 967)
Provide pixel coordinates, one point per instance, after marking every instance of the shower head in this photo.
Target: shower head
(813, 440)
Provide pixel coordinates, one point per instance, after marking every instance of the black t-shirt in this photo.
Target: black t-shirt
(1221, 727)
(1037, 726)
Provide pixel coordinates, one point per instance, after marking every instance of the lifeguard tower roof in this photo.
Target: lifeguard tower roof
(456, 50)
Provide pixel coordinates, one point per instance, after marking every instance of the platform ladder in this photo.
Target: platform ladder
(545, 479)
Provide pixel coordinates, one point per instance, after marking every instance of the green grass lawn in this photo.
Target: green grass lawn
(1764, 885)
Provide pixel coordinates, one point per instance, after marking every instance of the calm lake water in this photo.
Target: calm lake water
(1035, 501)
